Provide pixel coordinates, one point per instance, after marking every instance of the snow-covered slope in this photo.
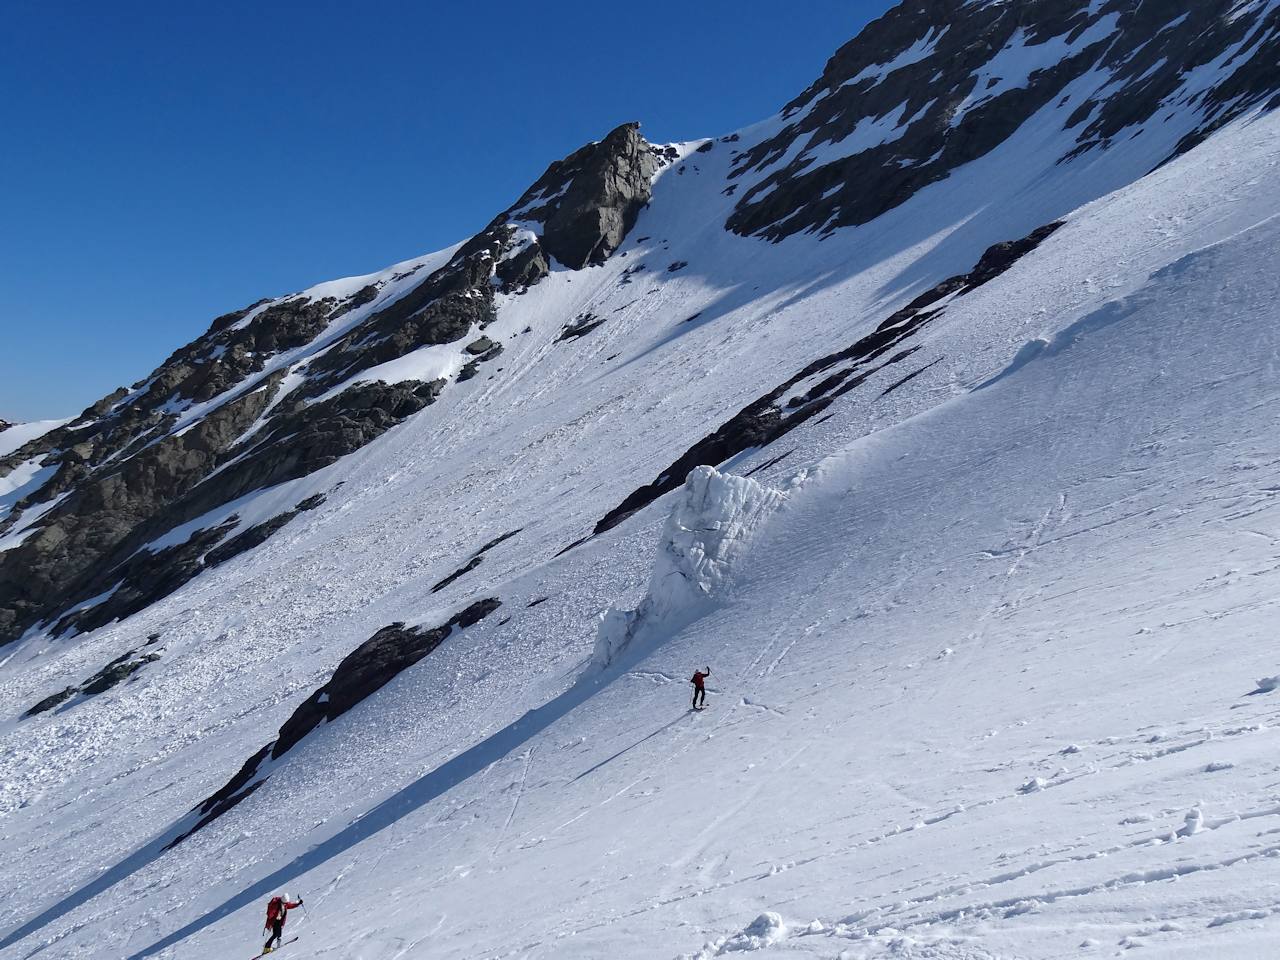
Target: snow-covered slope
(978, 546)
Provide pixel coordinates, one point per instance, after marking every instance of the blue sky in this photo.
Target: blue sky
(165, 163)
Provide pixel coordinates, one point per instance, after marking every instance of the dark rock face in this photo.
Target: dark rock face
(103, 510)
(768, 418)
(444, 308)
(121, 466)
(141, 580)
(590, 200)
(464, 569)
(1152, 73)
(302, 440)
(91, 540)
(582, 324)
(257, 534)
(366, 294)
(51, 701)
(522, 270)
(370, 667)
(113, 674)
(474, 561)
(363, 672)
(501, 538)
(941, 116)
(203, 370)
(230, 319)
(150, 575)
(235, 790)
(472, 366)
(116, 672)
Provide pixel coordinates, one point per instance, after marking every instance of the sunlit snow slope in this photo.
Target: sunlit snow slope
(986, 635)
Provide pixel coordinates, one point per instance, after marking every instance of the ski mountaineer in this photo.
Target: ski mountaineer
(277, 912)
(699, 688)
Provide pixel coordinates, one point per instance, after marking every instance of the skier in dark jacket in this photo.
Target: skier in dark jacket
(699, 689)
(277, 912)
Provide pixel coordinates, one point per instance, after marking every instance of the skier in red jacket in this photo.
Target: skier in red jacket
(277, 912)
(699, 688)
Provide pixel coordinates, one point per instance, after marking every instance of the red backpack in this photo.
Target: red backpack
(274, 909)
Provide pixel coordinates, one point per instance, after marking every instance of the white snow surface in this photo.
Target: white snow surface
(984, 649)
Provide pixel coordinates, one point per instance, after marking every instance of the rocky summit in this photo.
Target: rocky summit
(932, 413)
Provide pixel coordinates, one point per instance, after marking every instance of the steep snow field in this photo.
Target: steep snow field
(982, 649)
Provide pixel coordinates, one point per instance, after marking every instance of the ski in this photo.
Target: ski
(283, 943)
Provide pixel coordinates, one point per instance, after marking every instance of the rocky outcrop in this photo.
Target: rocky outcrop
(114, 673)
(370, 667)
(259, 533)
(223, 363)
(584, 205)
(361, 673)
(1182, 38)
(610, 185)
(462, 570)
(51, 701)
(445, 307)
(149, 575)
(581, 325)
(102, 512)
(97, 536)
(474, 561)
(305, 439)
(522, 269)
(924, 90)
(121, 590)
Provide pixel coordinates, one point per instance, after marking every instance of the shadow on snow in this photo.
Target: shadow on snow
(422, 791)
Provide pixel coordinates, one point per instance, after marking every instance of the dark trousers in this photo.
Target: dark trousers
(699, 696)
(277, 932)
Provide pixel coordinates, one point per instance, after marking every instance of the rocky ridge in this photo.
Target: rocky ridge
(935, 84)
(137, 464)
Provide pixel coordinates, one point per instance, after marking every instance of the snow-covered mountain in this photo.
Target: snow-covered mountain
(934, 413)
